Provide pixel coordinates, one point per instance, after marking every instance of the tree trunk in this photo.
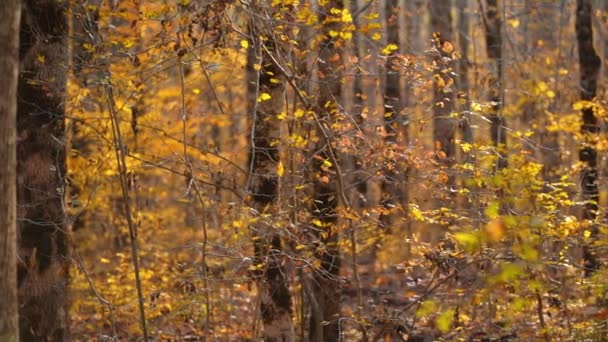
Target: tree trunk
(590, 64)
(393, 175)
(463, 70)
(10, 14)
(44, 252)
(324, 319)
(264, 159)
(493, 25)
(444, 127)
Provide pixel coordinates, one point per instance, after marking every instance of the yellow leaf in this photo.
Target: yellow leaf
(376, 36)
(476, 107)
(444, 321)
(416, 213)
(196, 91)
(317, 223)
(578, 105)
(128, 43)
(88, 47)
(281, 116)
(427, 307)
(244, 44)
(327, 163)
(264, 97)
(346, 16)
(104, 260)
(280, 169)
(40, 59)
(390, 48)
(514, 23)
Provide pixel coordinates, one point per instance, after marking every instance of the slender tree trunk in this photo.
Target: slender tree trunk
(44, 253)
(463, 69)
(493, 25)
(10, 14)
(359, 181)
(590, 65)
(325, 183)
(264, 159)
(444, 127)
(391, 189)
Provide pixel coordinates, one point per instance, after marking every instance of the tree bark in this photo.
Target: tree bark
(393, 174)
(590, 64)
(463, 70)
(493, 25)
(10, 14)
(264, 161)
(325, 182)
(41, 165)
(444, 127)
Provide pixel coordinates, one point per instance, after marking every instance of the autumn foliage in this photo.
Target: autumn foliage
(391, 201)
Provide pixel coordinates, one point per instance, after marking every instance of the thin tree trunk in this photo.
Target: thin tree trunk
(590, 65)
(41, 166)
(493, 25)
(325, 187)
(10, 14)
(264, 159)
(391, 189)
(463, 69)
(444, 127)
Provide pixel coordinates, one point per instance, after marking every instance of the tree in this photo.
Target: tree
(444, 125)
(391, 191)
(463, 68)
(266, 90)
(493, 26)
(10, 14)
(324, 316)
(44, 252)
(590, 64)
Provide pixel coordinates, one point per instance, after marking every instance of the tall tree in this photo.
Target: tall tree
(324, 317)
(392, 194)
(444, 125)
(493, 26)
(589, 64)
(41, 165)
(463, 67)
(10, 14)
(266, 101)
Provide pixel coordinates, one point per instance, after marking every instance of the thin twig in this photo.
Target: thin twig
(120, 149)
(200, 198)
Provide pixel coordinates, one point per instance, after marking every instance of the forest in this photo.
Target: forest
(304, 170)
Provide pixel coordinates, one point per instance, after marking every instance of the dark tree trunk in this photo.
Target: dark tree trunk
(44, 252)
(357, 108)
(393, 173)
(10, 13)
(463, 70)
(444, 125)
(590, 65)
(264, 159)
(493, 25)
(324, 319)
